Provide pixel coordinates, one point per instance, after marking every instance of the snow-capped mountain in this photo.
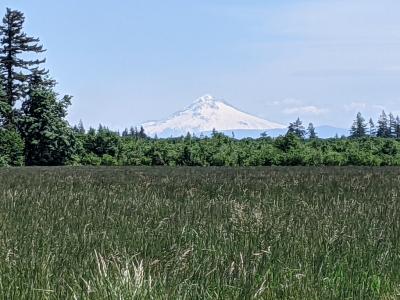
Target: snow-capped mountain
(204, 115)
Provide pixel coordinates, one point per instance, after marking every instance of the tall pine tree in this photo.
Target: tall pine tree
(371, 128)
(297, 128)
(16, 70)
(311, 131)
(397, 128)
(383, 126)
(392, 125)
(359, 128)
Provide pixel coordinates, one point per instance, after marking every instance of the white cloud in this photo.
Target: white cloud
(363, 106)
(355, 106)
(287, 101)
(310, 110)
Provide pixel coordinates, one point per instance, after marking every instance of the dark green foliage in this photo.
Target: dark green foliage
(5, 108)
(222, 150)
(371, 128)
(79, 129)
(311, 131)
(297, 128)
(397, 128)
(48, 138)
(102, 142)
(200, 233)
(359, 127)
(288, 142)
(11, 148)
(133, 132)
(383, 126)
(392, 124)
(17, 71)
(142, 134)
(41, 120)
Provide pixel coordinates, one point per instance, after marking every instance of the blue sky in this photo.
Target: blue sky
(126, 62)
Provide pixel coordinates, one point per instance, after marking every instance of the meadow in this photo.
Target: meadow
(200, 233)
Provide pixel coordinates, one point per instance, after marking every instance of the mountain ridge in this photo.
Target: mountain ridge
(205, 114)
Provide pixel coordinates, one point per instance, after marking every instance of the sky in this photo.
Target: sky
(129, 61)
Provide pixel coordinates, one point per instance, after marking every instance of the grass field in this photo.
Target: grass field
(193, 233)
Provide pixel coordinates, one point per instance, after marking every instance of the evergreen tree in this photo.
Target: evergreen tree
(311, 131)
(11, 148)
(91, 131)
(188, 137)
(371, 128)
(4, 107)
(40, 78)
(81, 128)
(392, 125)
(47, 135)
(397, 128)
(297, 128)
(142, 134)
(133, 132)
(16, 70)
(359, 128)
(383, 126)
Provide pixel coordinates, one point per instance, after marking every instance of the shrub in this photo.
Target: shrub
(11, 148)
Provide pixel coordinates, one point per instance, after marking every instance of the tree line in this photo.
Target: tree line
(387, 127)
(34, 130)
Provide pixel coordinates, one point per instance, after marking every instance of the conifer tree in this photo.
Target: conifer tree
(16, 70)
(91, 131)
(383, 126)
(188, 136)
(133, 132)
(392, 125)
(48, 137)
(125, 133)
(297, 128)
(81, 128)
(142, 134)
(4, 107)
(359, 128)
(311, 131)
(371, 128)
(397, 128)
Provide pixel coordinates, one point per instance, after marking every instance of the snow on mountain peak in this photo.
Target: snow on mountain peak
(205, 99)
(204, 115)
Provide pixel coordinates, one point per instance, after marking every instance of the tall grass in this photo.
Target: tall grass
(193, 233)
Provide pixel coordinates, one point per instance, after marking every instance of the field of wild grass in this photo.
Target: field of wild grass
(200, 233)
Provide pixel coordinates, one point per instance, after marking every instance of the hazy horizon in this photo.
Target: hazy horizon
(132, 61)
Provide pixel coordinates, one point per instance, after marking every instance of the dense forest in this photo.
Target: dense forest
(34, 130)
